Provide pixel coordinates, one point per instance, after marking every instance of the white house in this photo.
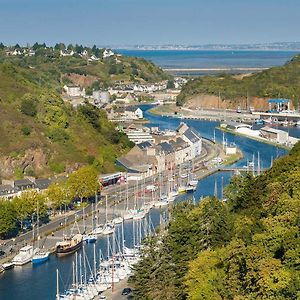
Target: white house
(74, 91)
(131, 112)
(194, 139)
(108, 53)
(100, 96)
(66, 53)
(84, 53)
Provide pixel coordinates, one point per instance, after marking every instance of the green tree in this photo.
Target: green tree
(170, 84)
(84, 182)
(59, 195)
(7, 218)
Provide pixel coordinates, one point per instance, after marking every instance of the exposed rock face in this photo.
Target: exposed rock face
(211, 101)
(35, 159)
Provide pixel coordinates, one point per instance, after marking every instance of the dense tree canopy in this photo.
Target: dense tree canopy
(245, 248)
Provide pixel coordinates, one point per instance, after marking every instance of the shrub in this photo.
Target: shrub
(25, 131)
(58, 135)
(56, 167)
(28, 106)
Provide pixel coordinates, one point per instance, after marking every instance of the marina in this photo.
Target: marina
(22, 277)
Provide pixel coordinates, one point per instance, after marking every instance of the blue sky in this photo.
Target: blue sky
(129, 22)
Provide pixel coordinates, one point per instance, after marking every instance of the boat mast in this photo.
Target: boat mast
(95, 264)
(106, 209)
(57, 286)
(216, 189)
(123, 237)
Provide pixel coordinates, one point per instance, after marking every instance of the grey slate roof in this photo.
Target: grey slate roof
(6, 189)
(42, 183)
(23, 183)
(166, 147)
(144, 145)
(192, 135)
(178, 144)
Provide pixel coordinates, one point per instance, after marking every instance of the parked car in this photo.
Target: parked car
(126, 291)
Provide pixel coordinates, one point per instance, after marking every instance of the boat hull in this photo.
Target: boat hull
(67, 251)
(40, 259)
(8, 266)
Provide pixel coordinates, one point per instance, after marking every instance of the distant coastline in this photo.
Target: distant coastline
(278, 46)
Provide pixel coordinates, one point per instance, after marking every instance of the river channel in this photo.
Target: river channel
(39, 282)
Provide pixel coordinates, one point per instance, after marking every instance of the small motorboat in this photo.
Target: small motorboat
(8, 266)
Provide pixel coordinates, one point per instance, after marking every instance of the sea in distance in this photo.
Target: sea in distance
(212, 61)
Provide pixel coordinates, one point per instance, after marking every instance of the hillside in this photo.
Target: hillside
(40, 133)
(283, 82)
(245, 248)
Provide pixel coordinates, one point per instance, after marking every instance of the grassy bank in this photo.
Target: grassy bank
(164, 110)
(231, 159)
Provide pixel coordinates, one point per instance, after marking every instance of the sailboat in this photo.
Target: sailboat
(181, 187)
(117, 219)
(40, 256)
(98, 228)
(108, 227)
(91, 237)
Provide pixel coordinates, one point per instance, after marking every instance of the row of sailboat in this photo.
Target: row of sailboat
(91, 279)
(142, 206)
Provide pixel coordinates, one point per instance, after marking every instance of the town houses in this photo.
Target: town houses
(150, 157)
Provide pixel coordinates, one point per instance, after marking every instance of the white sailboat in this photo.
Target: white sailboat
(40, 256)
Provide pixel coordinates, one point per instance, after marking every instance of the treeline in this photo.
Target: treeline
(244, 248)
(43, 49)
(31, 204)
(282, 82)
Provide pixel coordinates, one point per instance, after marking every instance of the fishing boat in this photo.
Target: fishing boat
(69, 245)
(25, 255)
(40, 257)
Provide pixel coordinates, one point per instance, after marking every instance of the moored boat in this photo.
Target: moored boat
(69, 245)
(8, 266)
(25, 255)
(40, 257)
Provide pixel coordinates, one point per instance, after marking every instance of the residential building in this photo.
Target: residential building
(74, 91)
(108, 53)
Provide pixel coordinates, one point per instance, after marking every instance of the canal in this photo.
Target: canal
(39, 282)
